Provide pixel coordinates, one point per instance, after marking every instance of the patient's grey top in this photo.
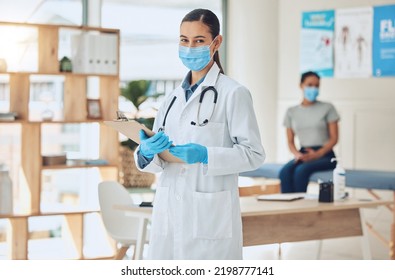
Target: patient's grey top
(310, 123)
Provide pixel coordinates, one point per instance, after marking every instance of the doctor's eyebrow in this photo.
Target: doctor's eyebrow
(196, 37)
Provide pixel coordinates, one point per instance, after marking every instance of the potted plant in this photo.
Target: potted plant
(131, 177)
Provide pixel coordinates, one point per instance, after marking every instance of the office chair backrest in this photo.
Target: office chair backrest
(120, 227)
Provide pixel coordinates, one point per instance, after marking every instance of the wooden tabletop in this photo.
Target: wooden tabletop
(250, 206)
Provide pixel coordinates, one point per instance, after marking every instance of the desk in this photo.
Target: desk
(364, 179)
(268, 222)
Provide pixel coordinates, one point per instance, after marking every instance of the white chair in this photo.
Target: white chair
(123, 229)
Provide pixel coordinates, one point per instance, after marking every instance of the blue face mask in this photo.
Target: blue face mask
(311, 93)
(196, 58)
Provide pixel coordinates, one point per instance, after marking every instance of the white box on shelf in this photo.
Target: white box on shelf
(95, 54)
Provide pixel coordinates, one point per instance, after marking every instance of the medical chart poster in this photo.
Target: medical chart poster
(316, 45)
(353, 42)
(384, 41)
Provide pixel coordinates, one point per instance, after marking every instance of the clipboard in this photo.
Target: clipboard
(131, 129)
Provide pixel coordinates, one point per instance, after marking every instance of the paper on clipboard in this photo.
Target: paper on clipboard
(131, 129)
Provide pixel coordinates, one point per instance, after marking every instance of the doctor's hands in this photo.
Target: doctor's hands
(190, 153)
(150, 146)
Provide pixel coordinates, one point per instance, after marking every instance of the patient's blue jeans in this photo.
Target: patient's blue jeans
(295, 176)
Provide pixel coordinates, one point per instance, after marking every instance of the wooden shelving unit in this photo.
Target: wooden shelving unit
(75, 111)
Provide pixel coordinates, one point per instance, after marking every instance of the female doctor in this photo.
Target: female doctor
(196, 212)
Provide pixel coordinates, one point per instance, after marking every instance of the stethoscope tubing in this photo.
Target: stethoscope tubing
(198, 111)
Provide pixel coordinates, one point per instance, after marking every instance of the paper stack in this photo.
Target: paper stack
(10, 116)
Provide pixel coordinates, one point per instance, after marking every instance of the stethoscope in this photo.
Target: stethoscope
(205, 122)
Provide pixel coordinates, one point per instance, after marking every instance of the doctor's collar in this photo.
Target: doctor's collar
(186, 84)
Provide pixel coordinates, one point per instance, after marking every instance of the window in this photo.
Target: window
(149, 35)
(67, 12)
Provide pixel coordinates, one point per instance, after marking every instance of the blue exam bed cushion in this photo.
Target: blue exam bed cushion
(368, 179)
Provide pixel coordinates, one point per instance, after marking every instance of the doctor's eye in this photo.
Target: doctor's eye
(183, 40)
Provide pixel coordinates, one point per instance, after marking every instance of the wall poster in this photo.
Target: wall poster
(316, 49)
(384, 41)
(353, 42)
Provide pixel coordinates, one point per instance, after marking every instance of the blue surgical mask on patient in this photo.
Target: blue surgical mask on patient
(311, 93)
(196, 58)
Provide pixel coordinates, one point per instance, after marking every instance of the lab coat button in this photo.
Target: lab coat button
(178, 197)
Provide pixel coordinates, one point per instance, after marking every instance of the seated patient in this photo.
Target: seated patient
(315, 124)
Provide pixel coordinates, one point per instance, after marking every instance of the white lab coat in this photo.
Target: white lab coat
(196, 212)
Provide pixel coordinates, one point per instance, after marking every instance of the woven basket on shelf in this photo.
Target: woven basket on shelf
(130, 176)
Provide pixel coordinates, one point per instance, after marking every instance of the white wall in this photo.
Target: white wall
(366, 105)
(263, 53)
(252, 60)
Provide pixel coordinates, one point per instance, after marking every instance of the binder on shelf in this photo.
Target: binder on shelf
(112, 54)
(95, 54)
(81, 54)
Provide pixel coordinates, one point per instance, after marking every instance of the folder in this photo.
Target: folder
(131, 129)
(82, 53)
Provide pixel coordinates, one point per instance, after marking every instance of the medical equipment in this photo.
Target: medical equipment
(162, 128)
(200, 103)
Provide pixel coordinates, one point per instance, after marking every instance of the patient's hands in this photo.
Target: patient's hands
(298, 157)
(309, 155)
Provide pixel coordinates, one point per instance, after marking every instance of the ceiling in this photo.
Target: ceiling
(12, 11)
(215, 5)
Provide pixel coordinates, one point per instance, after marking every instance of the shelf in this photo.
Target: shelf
(80, 27)
(51, 122)
(74, 88)
(41, 73)
(63, 213)
(52, 167)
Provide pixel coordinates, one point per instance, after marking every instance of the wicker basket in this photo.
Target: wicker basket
(130, 176)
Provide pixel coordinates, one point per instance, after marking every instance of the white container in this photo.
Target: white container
(6, 200)
(339, 181)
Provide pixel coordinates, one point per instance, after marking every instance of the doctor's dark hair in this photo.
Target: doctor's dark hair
(209, 19)
(309, 74)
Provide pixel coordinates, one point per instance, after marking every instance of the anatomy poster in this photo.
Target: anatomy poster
(316, 49)
(384, 41)
(353, 42)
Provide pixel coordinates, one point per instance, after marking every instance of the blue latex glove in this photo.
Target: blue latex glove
(150, 146)
(190, 153)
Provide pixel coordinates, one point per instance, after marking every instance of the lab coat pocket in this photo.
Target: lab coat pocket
(212, 215)
(209, 135)
(160, 215)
